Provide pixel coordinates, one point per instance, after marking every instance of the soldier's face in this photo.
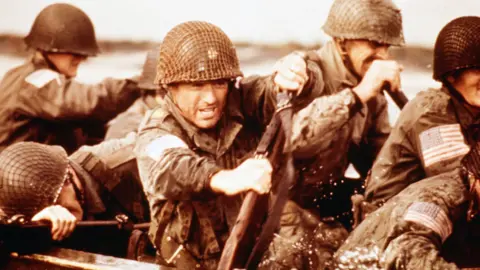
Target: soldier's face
(201, 103)
(68, 196)
(468, 84)
(66, 63)
(362, 53)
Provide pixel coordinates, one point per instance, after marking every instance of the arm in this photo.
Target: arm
(259, 94)
(62, 99)
(402, 161)
(417, 248)
(169, 169)
(318, 123)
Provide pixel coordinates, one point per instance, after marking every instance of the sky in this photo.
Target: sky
(256, 21)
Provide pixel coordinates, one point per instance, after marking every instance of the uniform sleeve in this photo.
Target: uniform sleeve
(56, 98)
(419, 146)
(259, 94)
(315, 125)
(417, 248)
(169, 169)
(439, 142)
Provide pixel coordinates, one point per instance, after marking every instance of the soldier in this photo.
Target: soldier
(40, 100)
(193, 149)
(417, 228)
(347, 123)
(429, 137)
(129, 120)
(95, 183)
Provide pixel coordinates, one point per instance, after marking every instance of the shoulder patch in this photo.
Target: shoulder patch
(433, 100)
(431, 216)
(442, 143)
(156, 148)
(41, 77)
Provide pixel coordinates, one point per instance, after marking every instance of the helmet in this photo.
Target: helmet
(63, 28)
(375, 20)
(149, 71)
(196, 51)
(31, 177)
(457, 46)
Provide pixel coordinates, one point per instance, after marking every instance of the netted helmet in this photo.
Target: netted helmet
(196, 51)
(457, 46)
(63, 28)
(149, 71)
(375, 20)
(31, 177)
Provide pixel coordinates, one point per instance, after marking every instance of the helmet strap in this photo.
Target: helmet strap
(347, 61)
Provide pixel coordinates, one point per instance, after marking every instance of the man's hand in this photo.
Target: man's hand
(291, 73)
(379, 73)
(252, 174)
(63, 222)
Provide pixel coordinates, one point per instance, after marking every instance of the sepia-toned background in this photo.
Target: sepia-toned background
(263, 31)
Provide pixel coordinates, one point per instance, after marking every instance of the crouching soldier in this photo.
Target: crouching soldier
(96, 183)
(431, 224)
(430, 134)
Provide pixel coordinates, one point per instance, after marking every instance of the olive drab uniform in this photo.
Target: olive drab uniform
(410, 153)
(176, 159)
(39, 104)
(109, 170)
(111, 184)
(430, 134)
(326, 133)
(412, 229)
(42, 105)
(334, 130)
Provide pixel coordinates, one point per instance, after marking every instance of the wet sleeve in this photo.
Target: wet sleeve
(439, 142)
(62, 99)
(417, 248)
(259, 94)
(170, 170)
(315, 125)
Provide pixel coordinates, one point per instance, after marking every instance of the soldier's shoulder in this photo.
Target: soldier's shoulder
(431, 101)
(41, 77)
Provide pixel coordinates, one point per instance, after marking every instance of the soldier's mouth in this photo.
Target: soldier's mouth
(209, 112)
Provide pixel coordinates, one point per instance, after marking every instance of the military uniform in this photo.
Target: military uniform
(43, 106)
(324, 133)
(334, 130)
(410, 154)
(409, 231)
(430, 135)
(177, 159)
(112, 183)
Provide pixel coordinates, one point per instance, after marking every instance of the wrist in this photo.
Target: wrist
(216, 180)
(361, 94)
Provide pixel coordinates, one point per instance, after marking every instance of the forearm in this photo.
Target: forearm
(321, 119)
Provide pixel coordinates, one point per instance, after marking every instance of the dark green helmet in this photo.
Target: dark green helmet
(31, 177)
(196, 51)
(63, 28)
(457, 47)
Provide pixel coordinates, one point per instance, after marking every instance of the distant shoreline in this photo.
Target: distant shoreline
(413, 57)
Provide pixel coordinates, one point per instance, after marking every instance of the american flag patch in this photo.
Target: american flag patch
(430, 216)
(442, 143)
